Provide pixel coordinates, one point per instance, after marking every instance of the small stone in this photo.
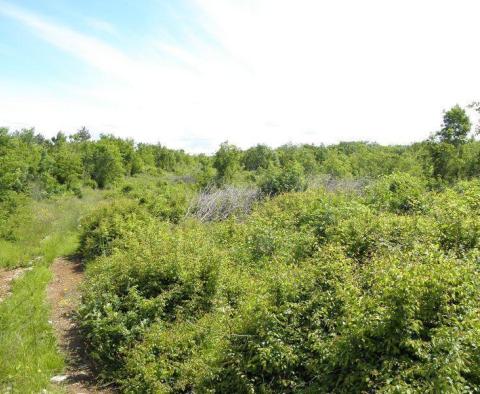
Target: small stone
(59, 379)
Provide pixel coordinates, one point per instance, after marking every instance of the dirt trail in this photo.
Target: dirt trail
(6, 279)
(64, 296)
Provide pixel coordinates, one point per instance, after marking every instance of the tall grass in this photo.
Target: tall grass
(29, 356)
(36, 229)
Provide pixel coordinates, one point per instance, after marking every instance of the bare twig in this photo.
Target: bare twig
(213, 204)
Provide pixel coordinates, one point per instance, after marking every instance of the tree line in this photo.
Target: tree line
(31, 163)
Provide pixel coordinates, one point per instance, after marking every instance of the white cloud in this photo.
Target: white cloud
(88, 49)
(101, 26)
(318, 71)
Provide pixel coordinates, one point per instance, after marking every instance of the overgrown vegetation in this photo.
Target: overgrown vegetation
(29, 355)
(344, 268)
(314, 291)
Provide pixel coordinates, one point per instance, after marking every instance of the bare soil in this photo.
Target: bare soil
(64, 296)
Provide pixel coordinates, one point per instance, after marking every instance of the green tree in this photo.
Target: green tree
(106, 163)
(446, 146)
(137, 164)
(59, 139)
(125, 147)
(445, 160)
(260, 156)
(67, 167)
(456, 126)
(20, 155)
(226, 162)
(81, 135)
(289, 179)
(303, 154)
(165, 158)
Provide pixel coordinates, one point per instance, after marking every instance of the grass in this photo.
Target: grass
(37, 226)
(28, 351)
(29, 355)
(10, 254)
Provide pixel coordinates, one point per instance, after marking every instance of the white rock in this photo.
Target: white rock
(59, 379)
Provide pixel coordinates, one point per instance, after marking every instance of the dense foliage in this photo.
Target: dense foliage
(343, 268)
(31, 164)
(313, 292)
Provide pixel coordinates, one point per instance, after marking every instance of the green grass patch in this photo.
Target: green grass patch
(28, 351)
(42, 230)
(10, 254)
(29, 355)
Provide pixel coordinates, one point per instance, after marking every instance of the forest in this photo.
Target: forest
(347, 268)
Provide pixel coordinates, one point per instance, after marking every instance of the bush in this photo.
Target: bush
(106, 164)
(364, 233)
(166, 276)
(280, 336)
(107, 224)
(310, 292)
(398, 193)
(416, 329)
(277, 181)
(457, 221)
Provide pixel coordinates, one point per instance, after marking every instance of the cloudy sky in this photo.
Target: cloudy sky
(194, 73)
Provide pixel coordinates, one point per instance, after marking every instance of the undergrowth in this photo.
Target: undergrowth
(313, 292)
(29, 355)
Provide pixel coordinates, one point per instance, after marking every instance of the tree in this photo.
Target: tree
(444, 159)
(226, 162)
(260, 156)
(18, 162)
(446, 146)
(67, 167)
(81, 135)
(125, 147)
(59, 139)
(137, 164)
(476, 107)
(165, 158)
(303, 154)
(456, 126)
(106, 163)
(28, 136)
(278, 180)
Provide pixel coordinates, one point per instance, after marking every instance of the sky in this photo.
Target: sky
(193, 73)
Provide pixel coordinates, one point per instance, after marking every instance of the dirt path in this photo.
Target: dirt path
(6, 279)
(64, 296)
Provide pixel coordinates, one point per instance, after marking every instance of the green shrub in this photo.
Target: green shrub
(398, 193)
(417, 329)
(165, 276)
(178, 357)
(279, 337)
(458, 224)
(469, 193)
(108, 223)
(277, 181)
(105, 163)
(364, 233)
(311, 292)
(408, 324)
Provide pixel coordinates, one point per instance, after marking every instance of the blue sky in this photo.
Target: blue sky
(193, 73)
